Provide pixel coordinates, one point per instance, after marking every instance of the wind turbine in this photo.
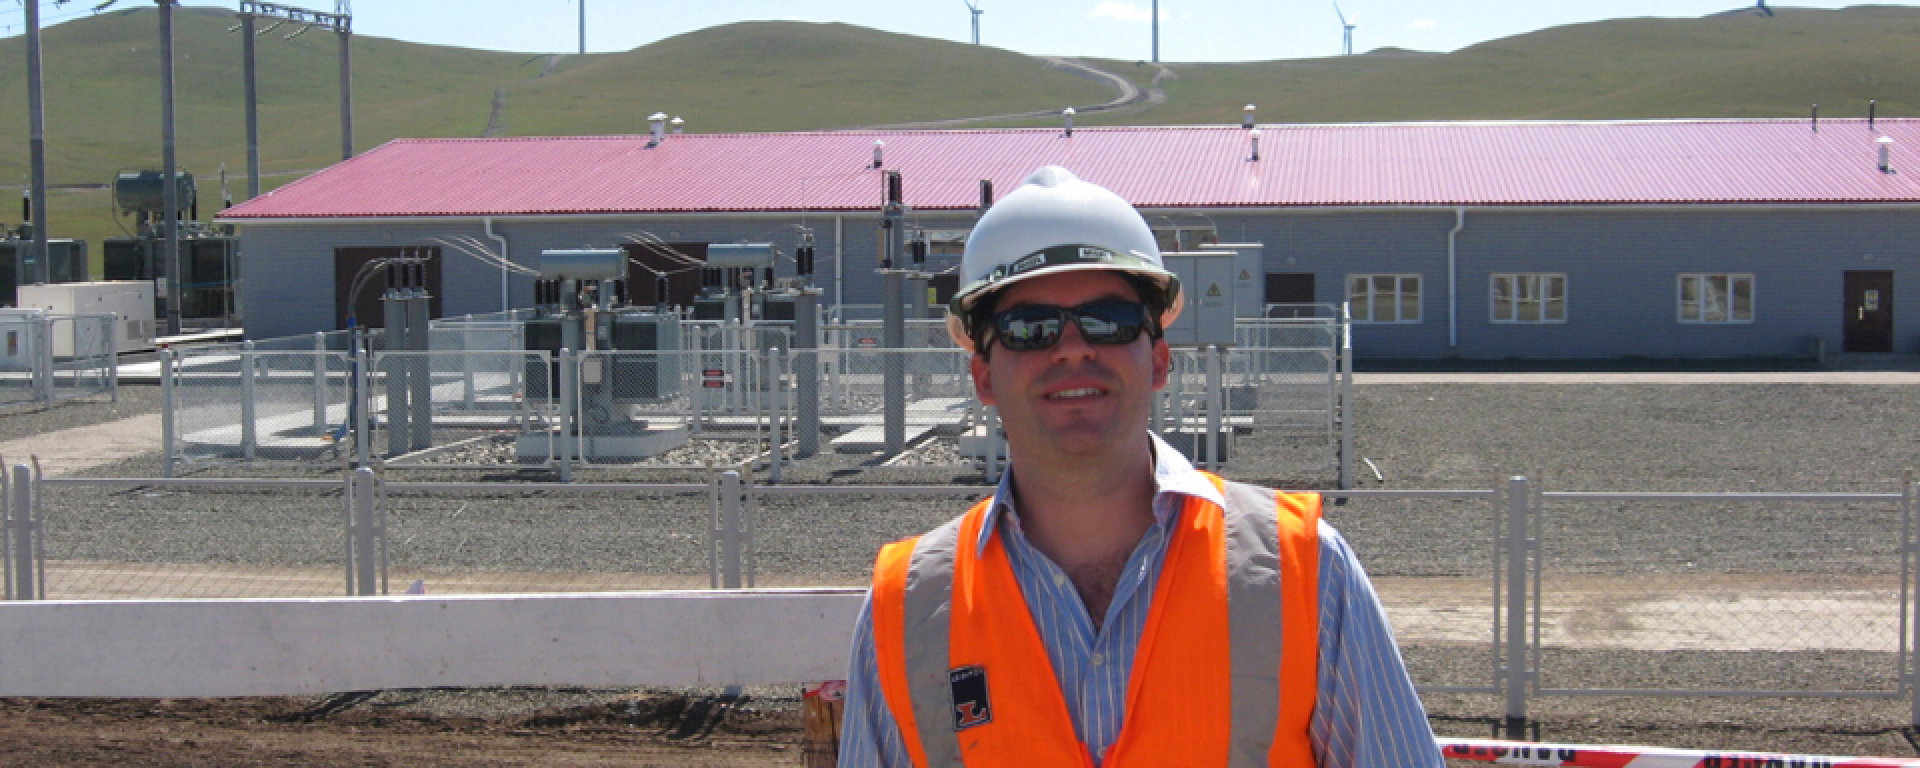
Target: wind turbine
(1347, 25)
(974, 6)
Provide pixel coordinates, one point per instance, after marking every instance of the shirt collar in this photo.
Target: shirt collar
(1172, 474)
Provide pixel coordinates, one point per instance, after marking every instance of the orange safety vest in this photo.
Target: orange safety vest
(966, 676)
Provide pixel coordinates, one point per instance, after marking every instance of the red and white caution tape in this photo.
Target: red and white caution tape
(1613, 756)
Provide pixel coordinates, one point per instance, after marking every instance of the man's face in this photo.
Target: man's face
(1073, 398)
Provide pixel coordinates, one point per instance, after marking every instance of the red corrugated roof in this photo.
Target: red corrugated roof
(1419, 164)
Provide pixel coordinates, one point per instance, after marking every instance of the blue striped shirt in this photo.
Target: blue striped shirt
(1366, 713)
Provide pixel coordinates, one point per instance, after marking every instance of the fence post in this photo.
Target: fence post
(1909, 501)
(22, 527)
(319, 382)
(727, 535)
(362, 533)
(893, 366)
(113, 356)
(1346, 397)
(777, 408)
(1517, 652)
(565, 438)
(249, 438)
(362, 403)
(167, 442)
(1216, 401)
(806, 380)
(44, 369)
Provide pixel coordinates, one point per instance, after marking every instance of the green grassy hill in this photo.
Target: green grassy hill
(103, 96)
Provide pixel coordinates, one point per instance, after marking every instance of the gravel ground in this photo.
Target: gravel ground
(1576, 436)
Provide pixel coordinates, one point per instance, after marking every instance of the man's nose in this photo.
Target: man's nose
(1072, 345)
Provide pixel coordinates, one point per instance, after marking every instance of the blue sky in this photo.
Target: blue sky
(1190, 30)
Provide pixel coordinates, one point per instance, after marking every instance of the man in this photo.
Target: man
(1110, 605)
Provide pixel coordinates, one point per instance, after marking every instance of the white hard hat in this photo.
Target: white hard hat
(1056, 223)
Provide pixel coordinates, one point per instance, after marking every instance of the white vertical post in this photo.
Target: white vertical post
(1346, 396)
(1516, 650)
(167, 442)
(21, 525)
(365, 546)
(362, 404)
(249, 438)
(1215, 403)
(727, 535)
(777, 404)
(1910, 606)
(319, 382)
(565, 438)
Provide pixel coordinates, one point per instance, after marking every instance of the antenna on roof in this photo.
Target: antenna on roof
(1346, 26)
(974, 6)
(1762, 8)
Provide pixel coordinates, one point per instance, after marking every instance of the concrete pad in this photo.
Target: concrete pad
(72, 450)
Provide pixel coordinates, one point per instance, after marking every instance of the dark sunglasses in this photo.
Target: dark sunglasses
(1038, 326)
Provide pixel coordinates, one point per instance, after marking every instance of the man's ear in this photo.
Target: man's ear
(1162, 362)
(983, 378)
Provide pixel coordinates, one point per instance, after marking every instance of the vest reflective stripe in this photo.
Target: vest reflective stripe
(1201, 695)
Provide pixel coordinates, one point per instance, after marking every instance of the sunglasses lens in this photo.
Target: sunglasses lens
(1036, 327)
(1110, 322)
(1028, 328)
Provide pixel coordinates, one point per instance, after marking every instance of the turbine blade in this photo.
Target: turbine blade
(1339, 13)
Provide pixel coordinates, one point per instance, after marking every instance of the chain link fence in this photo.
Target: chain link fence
(45, 358)
(1509, 589)
(710, 394)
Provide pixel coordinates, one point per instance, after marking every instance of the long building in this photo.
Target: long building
(1699, 238)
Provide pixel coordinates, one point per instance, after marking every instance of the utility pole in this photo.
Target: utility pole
(37, 150)
(1156, 31)
(169, 181)
(253, 105)
(583, 27)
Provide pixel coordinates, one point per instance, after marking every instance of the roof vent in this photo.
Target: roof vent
(1068, 114)
(1255, 136)
(657, 123)
(1816, 118)
(1886, 153)
(1870, 104)
(878, 148)
(1246, 120)
(679, 125)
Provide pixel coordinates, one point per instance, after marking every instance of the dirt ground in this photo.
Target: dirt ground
(648, 731)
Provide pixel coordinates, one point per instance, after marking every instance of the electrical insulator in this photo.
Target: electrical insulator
(709, 278)
(986, 194)
(894, 194)
(660, 291)
(804, 259)
(919, 252)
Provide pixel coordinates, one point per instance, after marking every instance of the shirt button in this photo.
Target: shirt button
(1099, 658)
(1059, 579)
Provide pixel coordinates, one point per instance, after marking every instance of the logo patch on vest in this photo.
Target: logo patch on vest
(970, 705)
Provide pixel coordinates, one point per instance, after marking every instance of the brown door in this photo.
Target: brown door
(367, 311)
(1869, 323)
(1290, 288)
(679, 263)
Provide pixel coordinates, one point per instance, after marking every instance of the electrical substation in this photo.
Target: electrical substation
(209, 261)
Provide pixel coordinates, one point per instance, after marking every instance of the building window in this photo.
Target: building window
(1721, 298)
(1179, 239)
(1384, 298)
(1530, 298)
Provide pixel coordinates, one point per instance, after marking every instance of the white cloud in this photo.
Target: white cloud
(1120, 10)
(1422, 24)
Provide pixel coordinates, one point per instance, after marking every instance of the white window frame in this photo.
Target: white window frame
(1707, 309)
(1526, 288)
(1362, 305)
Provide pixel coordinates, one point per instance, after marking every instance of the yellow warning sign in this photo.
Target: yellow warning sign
(1213, 290)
